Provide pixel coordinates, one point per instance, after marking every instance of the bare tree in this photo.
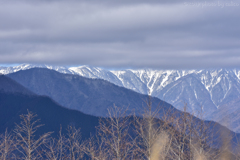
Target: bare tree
(55, 148)
(152, 140)
(182, 135)
(94, 148)
(74, 147)
(26, 143)
(114, 133)
(191, 137)
(6, 146)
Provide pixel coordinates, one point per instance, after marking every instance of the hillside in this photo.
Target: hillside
(90, 96)
(51, 114)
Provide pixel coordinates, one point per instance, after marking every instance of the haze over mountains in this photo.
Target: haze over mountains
(212, 91)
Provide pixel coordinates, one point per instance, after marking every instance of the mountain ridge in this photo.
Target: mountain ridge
(206, 90)
(90, 96)
(53, 115)
(146, 81)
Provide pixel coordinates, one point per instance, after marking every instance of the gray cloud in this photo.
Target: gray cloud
(166, 34)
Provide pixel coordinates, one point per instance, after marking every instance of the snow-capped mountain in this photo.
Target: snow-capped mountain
(95, 72)
(7, 70)
(201, 91)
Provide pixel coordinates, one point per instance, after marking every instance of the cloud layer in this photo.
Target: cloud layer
(126, 33)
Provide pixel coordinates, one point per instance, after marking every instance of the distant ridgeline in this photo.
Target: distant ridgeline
(45, 92)
(214, 94)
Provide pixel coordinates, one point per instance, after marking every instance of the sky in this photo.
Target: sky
(160, 34)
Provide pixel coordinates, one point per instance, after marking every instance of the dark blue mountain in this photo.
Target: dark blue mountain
(90, 96)
(15, 100)
(51, 114)
(10, 86)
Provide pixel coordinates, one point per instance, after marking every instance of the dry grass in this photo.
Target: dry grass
(159, 147)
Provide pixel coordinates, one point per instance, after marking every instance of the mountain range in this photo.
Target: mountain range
(213, 94)
(16, 99)
(90, 96)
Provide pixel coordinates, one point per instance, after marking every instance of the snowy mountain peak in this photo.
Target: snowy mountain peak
(207, 89)
(216, 92)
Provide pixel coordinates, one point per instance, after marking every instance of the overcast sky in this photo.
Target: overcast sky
(172, 34)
